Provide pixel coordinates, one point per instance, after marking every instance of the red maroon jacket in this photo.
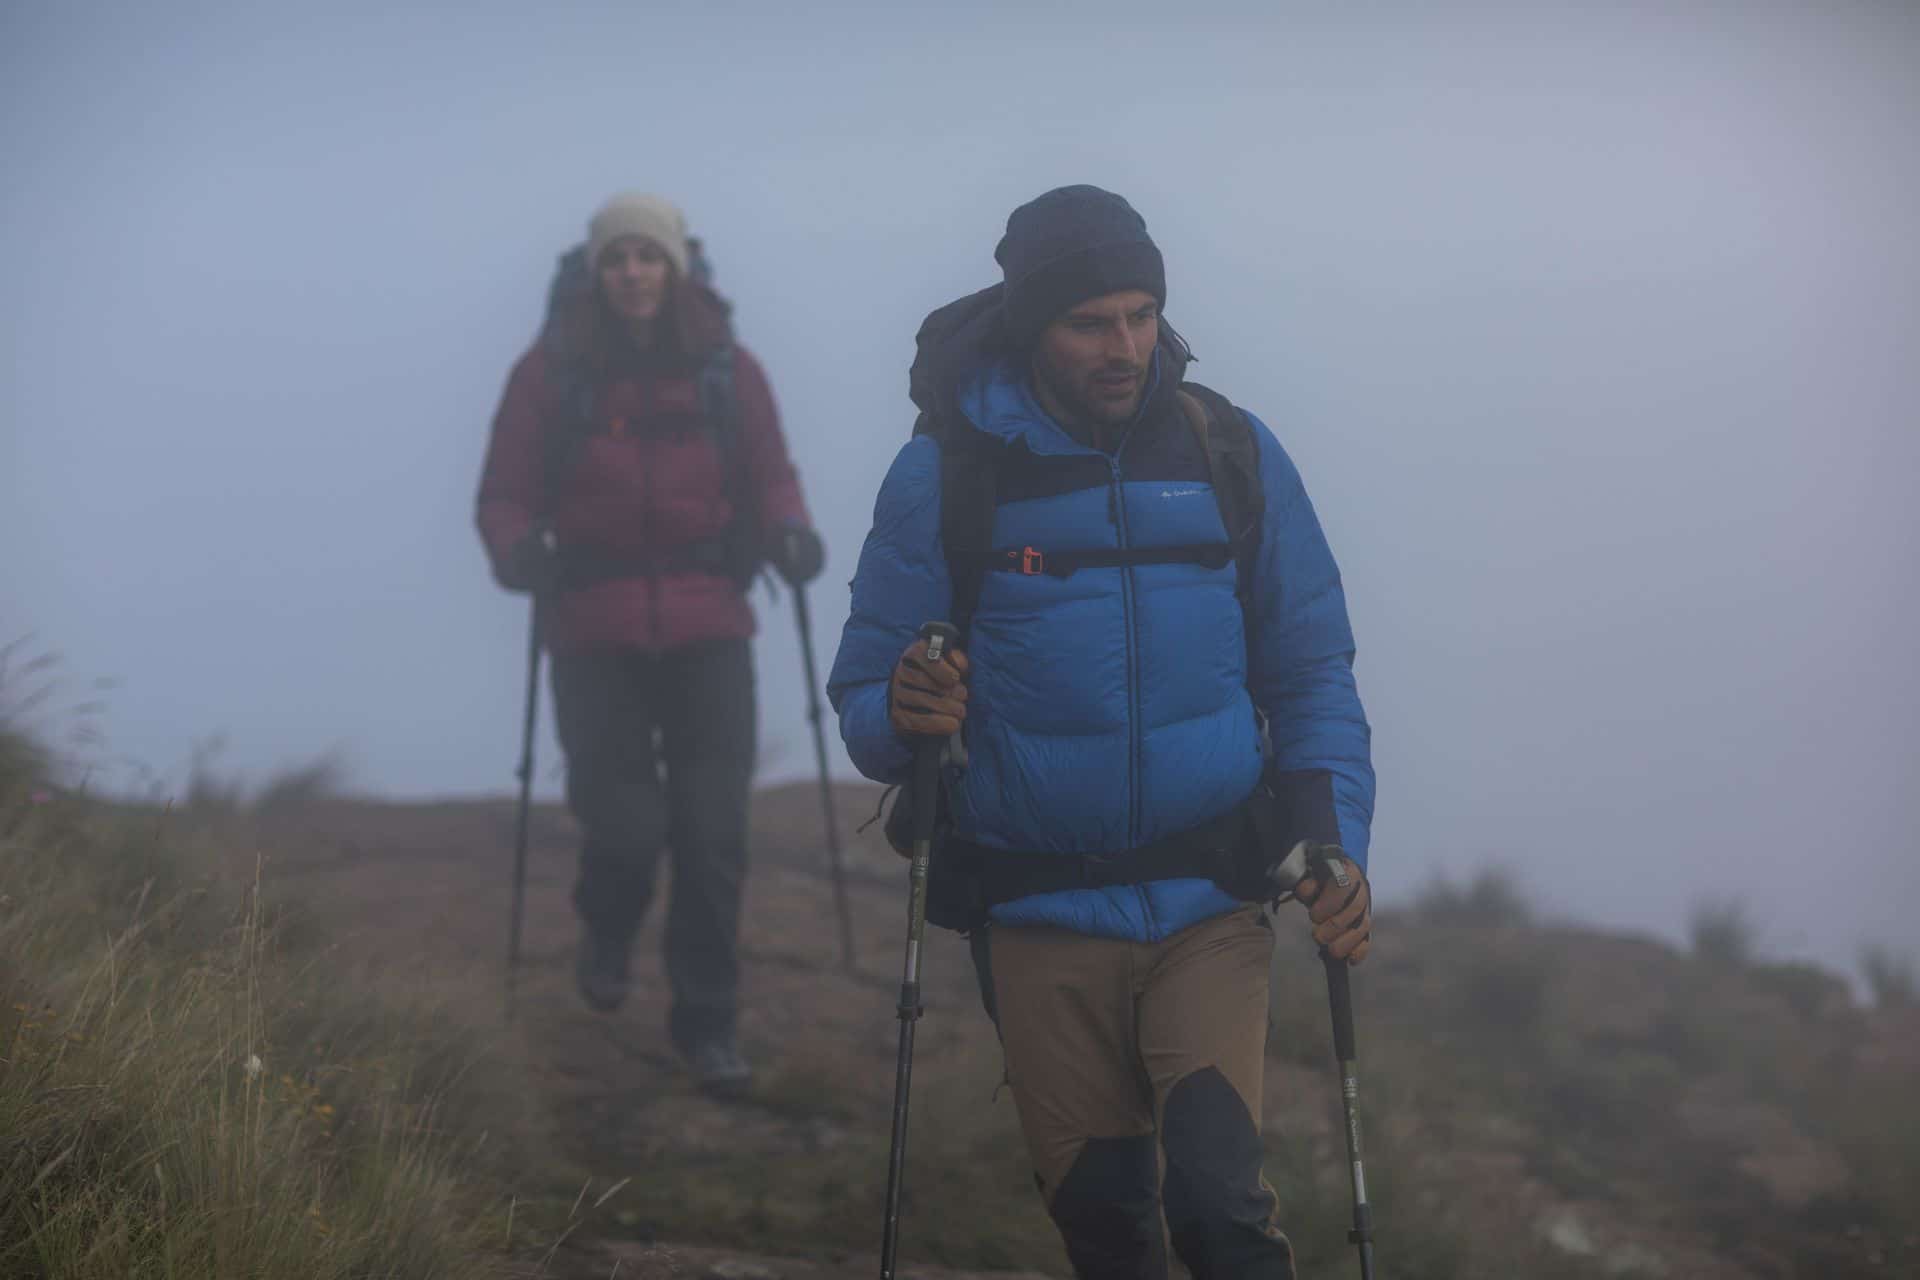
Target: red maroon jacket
(643, 484)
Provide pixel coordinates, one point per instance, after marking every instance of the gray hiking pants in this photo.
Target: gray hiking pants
(660, 751)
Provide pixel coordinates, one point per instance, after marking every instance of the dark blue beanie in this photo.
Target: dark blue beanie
(1071, 244)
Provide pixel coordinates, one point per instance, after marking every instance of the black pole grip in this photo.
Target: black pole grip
(925, 790)
(1340, 999)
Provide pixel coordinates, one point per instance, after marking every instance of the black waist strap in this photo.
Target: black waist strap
(1244, 851)
(1207, 852)
(1033, 561)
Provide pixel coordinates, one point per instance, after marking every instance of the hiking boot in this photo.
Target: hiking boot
(600, 969)
(718, 1067)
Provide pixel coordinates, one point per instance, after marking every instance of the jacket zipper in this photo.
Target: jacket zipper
(1133, 661)
(652, 544)
(1117, 505)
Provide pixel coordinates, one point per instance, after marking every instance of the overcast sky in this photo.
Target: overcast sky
(1594, 329)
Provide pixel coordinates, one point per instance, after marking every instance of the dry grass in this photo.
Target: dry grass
(181, 1096)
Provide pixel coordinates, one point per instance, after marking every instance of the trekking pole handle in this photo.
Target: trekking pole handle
(1329, 869)
(938, 638)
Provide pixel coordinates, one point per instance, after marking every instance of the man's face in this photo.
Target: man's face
(1095, 358)
(635, 278)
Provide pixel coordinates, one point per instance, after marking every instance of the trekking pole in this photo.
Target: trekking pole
(1340, 1000)
(834, 858)
(938, 636)
(1306, 859)
(525, 774)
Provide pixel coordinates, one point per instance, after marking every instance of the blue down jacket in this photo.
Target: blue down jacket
(1112, 707)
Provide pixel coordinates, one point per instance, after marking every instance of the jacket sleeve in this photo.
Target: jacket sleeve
(1302, 663)
(901, 582)
(770, 472)
(511, 479)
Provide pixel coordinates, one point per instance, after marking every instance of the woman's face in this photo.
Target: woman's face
(636, 278)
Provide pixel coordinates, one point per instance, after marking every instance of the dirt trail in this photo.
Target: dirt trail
(1496, 1057)
(689, 1262)
(426, 888)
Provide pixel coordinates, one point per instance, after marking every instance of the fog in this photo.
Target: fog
(1595, 332)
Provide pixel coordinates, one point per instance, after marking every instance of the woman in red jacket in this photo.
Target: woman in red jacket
(635, 480)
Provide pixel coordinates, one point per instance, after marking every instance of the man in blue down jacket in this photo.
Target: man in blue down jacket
(1109, 707)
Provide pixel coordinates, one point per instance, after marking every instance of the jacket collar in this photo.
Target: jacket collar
(1001, 401)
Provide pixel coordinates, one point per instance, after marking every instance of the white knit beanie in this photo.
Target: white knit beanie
(632, 213)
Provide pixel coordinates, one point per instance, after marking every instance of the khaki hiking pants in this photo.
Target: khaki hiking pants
(1136, 1070)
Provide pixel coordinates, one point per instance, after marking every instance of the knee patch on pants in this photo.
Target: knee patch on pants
(1219, 1208)
(1108, 1209)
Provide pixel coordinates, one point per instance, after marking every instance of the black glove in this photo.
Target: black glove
(531, 564)
(797, 554)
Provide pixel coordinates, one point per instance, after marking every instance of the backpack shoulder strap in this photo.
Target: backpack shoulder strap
(718, 380)
(572, 397)
(720, 398)
(1233, 468)
(969, 462)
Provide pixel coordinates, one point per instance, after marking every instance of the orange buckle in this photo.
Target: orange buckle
(1032, 562)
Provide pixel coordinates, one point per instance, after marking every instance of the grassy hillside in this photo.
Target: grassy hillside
(263, 1038)
(193, 1085)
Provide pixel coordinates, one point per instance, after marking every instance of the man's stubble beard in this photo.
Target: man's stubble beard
(1084, 412)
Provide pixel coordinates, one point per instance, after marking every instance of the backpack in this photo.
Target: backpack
(970, 460)
(735, 553)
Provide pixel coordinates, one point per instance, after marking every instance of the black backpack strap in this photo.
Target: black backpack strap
(1216, 850)
(560, 444)
(720, 407)
(735, 553)
(969, 463)
(969, 459)
(720, 398)
(1233, 468)
(718, 381)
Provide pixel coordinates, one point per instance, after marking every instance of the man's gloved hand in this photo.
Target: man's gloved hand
(928, 699)
(797, 554)
(1342, 916)
(531, 564)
